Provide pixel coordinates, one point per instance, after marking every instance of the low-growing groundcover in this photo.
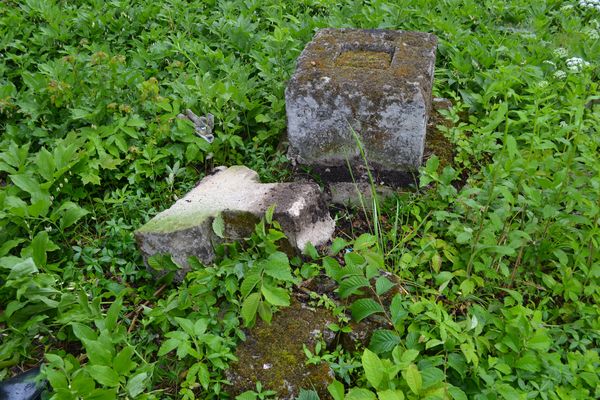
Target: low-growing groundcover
(498, 253)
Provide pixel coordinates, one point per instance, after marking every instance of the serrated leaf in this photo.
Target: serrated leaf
(337, 245)
(307, 395)
(384, 341)
(413, 379)
(383, 285)
(249, 308)
(373, 368)
(539, 341)
(362, 308)
(351, 285)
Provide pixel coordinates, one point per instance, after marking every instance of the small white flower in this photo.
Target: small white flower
(576, 64)
(66, 180)
(566, 7)
(560, 52)
(60, 185)
(562, 124)
(590, 4)
(542, 84)
(592, 34)
(560, 74)
(549, 63)
(48, 228)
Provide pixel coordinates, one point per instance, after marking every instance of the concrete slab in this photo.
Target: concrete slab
(235, 193)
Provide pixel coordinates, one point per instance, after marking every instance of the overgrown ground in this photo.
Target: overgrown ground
(502, 273)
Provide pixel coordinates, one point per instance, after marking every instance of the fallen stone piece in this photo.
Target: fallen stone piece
(358, 194)
(234, 193)
(273, 354)
(372, 86)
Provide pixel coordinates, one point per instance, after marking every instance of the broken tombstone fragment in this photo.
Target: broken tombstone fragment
(235, 197)
(371, 87)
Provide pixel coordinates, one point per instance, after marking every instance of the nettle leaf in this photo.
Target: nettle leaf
(456, 393)
(362, 308)
(365, 241)
(249, 308)
(413, 379)
(337, 245)
(384, 341)
(351, 285)
(373, 367)
(307, 395)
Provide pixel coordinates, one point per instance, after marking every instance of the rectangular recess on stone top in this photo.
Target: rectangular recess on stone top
(365, 55)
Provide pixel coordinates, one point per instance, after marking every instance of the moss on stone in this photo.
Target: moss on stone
(273, 354)
(175, 222)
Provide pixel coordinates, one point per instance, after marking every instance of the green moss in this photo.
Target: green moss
(279, 347)
(176, 222)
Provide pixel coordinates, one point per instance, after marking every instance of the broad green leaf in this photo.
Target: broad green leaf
(26, 183)
(337, 245)
(456, 393)
(529, 362)
(104, 375)
(71, 213)
(384, 341)
(98, 352)
(168, 345)
(112, 315)
(383, 285)
(265, 312)
(137, 384)
(249, 307)
(362, 308)
(278, 267)
(373, 367)
(507, 392)
(311, 251)
(413, 379)
(390, 395)
(336, 390)
(539, 341)
(249, 283)
(83, 332)
(351, 285)
(365, 241)
(186, 325)
(21, 269)
(123, 363)
(203, 375)
(276, 296)
(360, 394)
(432, 376)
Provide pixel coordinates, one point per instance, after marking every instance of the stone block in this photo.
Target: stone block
(235, 193)
(368, 85)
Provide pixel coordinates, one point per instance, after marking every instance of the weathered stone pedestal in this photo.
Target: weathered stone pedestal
(235, 193)
(367, 86)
